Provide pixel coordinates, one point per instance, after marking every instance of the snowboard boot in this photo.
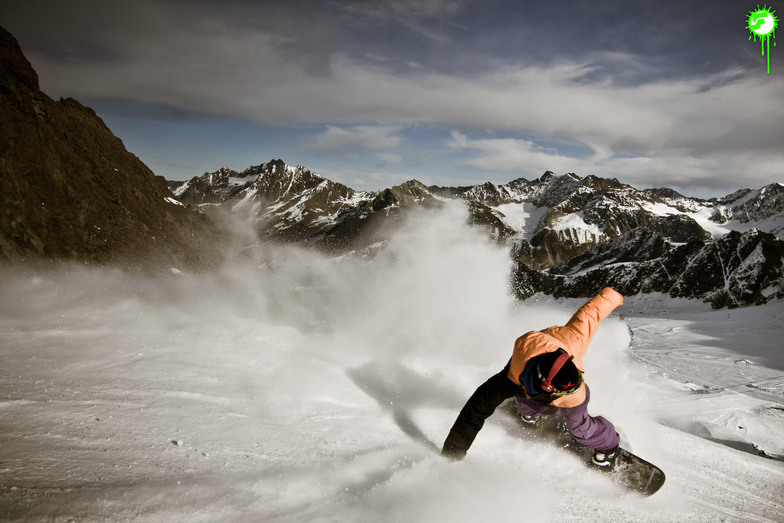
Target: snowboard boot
(604, 460)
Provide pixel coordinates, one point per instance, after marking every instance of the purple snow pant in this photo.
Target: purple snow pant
(596, 432)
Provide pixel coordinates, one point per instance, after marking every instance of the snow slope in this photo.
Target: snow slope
(290, 387)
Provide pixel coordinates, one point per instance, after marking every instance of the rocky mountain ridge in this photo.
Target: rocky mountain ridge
(69, 190)
(567, 234)
(293, 204)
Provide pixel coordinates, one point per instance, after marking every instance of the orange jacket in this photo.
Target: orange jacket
(573, 337)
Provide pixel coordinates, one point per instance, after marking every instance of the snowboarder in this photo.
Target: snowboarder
(545, 377)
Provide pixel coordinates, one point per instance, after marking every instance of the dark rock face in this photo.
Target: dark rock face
(70, 190)
(735, 270)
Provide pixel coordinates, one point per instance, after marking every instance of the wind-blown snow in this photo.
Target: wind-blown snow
(293, 387)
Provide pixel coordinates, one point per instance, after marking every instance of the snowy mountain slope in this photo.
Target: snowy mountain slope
(298, 387)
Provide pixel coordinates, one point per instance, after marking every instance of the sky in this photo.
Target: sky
(665, 93)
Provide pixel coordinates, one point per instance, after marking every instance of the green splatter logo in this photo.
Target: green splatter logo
(762, 24)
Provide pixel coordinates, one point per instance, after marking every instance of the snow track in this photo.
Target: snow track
(225, 398)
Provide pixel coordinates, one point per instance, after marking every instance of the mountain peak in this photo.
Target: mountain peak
(406, 194)
(16, 72)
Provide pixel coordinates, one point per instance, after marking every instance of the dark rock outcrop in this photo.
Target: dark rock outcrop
(70, 190)
(735, 270)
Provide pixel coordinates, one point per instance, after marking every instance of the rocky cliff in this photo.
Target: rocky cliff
(70, 190)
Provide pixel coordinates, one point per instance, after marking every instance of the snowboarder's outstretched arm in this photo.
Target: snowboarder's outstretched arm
(579, 331)
(479, 407)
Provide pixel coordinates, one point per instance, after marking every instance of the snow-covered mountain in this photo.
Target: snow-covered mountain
(571, 234)
(293, 204)
(568, 235)
(284, 203)
(747, 208)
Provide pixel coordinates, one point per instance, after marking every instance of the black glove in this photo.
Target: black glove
(453, 453)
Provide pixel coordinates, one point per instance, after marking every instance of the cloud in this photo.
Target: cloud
(509, 154)
(712, 175)
(187, 59)
(394, 11)
(682, 114)
(685, 126)
(389, 159)
(358, 138)
(305, 70)
(707, 176)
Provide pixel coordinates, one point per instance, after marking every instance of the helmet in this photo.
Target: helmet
(557, 373)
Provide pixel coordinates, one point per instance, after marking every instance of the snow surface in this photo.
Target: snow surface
(293, 387)
(522, 217)
(575, 227)
(173, 201)
(701, 216)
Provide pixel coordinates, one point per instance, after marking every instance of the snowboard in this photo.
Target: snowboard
(631, 471)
